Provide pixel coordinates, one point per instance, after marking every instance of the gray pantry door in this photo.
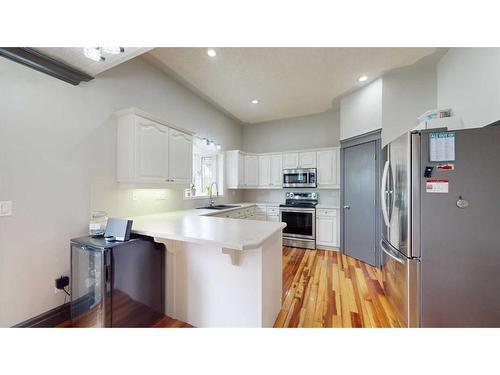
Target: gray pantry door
(360, 186)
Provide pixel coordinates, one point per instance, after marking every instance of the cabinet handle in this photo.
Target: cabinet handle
(347, 207)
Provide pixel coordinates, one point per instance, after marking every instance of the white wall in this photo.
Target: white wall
(361, 111)
(57, 161)
(468, 81)
(313, 131)
(406, 94)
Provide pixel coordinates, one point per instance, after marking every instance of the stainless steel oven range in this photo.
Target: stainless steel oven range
(299, 214)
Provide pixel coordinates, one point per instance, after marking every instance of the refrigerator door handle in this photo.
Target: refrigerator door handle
(390, 253)
(383, 194)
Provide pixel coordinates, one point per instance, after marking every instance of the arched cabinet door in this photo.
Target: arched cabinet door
(180, 161)
(151, 151)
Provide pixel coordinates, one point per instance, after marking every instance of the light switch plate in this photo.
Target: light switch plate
(5, 208)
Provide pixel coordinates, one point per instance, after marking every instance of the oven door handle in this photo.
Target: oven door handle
(298, 209)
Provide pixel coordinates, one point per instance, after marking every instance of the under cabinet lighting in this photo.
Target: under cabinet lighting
(211, 52)
(362, 78)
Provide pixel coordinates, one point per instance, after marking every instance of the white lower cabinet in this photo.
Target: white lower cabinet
(327, 228)
(275, 218)
(259, 212)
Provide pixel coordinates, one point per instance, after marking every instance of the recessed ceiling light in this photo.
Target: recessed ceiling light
(211, 52)
(362, 78)
(255, 101)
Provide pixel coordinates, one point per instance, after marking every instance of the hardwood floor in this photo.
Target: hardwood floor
(127, 313)
(328, 289)
(320, 289)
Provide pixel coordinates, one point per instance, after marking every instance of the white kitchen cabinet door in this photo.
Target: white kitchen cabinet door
(277, 170)
(307, 159)
(291, 161)
(251, 170)
(234, 169)
(264, 170)
(275, 218)
(327, 229)
(180, 161)
(151, 151)
(327, 164)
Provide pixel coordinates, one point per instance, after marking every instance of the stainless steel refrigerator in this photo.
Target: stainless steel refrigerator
(440, 246)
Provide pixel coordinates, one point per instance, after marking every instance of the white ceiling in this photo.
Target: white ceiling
(288, 82)
(74, 56)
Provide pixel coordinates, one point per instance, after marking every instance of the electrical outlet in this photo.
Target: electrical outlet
(135, 195)
(5, 208)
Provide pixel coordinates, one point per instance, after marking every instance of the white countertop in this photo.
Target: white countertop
(198, 226)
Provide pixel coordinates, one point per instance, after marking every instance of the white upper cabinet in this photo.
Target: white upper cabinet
(307, 159)
(294, 160)
(328, 167)
(265, 170)
(276, 170)
(251, 166)
(291, 160)
(149, 152)
(180, 159)
(235, 169)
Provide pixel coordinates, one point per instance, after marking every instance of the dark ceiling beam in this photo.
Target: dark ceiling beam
(45, 64)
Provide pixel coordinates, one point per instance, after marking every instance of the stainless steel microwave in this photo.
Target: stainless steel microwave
(296, 178)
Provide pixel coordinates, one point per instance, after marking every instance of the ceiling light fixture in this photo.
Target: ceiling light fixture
(255, 101)
(113, 50)
(211, 52)
(362, 78)
(95, 53)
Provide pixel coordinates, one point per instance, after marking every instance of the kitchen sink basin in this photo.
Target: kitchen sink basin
(219, 207)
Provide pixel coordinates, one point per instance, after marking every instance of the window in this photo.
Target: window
(207, 169)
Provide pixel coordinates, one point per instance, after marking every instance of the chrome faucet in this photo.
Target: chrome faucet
(212, 200)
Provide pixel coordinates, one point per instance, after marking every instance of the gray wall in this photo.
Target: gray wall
(58, 161)
(407, 93)
(313, 131)
(468, 81)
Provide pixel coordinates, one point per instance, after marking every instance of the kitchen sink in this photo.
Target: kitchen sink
(219, 207)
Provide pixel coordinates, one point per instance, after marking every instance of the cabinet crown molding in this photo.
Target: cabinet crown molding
(149, 116)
